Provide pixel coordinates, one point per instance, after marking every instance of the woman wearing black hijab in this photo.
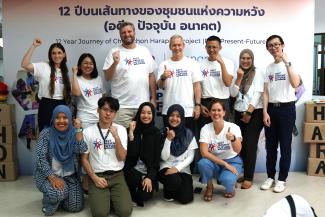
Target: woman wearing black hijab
(143, 155)
(177, 154)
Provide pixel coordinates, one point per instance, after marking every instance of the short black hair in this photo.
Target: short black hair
(273, 37)
(112, 103)
(213, 38)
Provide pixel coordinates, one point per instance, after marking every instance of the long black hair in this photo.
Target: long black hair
(64, 72)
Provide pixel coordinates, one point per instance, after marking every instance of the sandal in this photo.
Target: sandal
(208, 194)
(246, 184)
(229, 194)
(240, 179)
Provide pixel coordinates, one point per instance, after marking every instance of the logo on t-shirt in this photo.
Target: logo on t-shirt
(108, 144)
(88, 92)
(180, 73)
(271, 78)
(134, 61)
(58, 79)
(205, 73)
(97, 144)
(279, 76)
(218, 146)
(214, 73)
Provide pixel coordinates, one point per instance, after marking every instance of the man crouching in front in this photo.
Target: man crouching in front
(104, 161)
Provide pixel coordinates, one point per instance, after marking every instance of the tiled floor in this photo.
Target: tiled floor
(21, 198)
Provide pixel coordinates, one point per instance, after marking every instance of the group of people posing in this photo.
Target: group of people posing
(124, 154)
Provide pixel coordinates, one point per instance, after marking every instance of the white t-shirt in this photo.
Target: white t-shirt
(42, 73)
(130, 82)
(91, 91)
(254, 96)
(57, 168)
(218, 144)
(181, 162)
(102, 156)
(280, 89)
(212, 84)
(179, 87)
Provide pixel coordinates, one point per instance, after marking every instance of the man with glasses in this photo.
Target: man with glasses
(104, 161)
(279, 112)
(217, 73)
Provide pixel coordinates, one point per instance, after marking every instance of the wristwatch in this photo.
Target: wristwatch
(79, 130)
(248, 113)
(287, 64)
(162, 77)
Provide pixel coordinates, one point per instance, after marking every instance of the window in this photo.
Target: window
(319, 65)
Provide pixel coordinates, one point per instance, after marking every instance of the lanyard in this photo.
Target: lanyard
(101, 133)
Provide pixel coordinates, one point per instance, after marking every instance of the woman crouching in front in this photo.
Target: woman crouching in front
(56, 169)
(177, 154)
(220, 144)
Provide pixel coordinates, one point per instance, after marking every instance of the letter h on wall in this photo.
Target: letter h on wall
(3, 134)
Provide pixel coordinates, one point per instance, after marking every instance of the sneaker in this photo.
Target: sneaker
(169, 199)
(267, 184)
(279, 187)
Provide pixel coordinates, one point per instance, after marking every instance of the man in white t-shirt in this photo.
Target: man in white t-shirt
(130, 68)
(217, 73)
(179, 78)
(104, 161)
(279, 113)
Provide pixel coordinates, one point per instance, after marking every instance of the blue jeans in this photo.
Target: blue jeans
(209, 170)
(282, 121)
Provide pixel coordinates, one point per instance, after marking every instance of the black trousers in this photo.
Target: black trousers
(45, 110)
(250, 132)
(283, 118)
(178, 186)
(134, 180)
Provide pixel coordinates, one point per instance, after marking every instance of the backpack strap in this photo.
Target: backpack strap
(292, 205)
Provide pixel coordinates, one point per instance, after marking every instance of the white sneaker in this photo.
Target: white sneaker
(168, 199)
(267, 184)
(279, 187)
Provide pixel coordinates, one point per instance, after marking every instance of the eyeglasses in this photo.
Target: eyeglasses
(211, 47)
(275, 45)
(107, 110)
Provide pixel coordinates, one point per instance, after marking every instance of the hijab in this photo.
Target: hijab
(248, 73)
(140, 127)
(62, 142)
(183, 136)
(146, 143)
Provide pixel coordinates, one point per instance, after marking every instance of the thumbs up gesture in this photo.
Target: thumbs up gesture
(230, 136)
(167, 73)
(170, 134)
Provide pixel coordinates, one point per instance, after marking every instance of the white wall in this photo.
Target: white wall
(319, 16)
